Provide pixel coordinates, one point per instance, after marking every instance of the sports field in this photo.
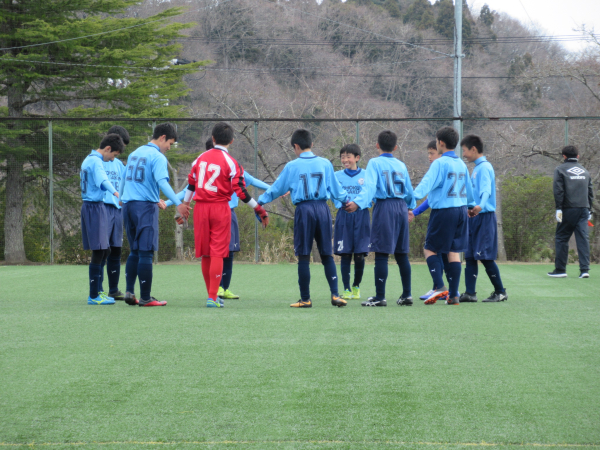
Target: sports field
(260, 375)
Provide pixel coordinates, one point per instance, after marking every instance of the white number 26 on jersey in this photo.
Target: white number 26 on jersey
(215, 169)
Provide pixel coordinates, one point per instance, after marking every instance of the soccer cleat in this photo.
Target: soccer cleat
(438, 294)
(338, 301)
(104, 295)
(427, 295)
(496, 297)
(302, 304)
(152, 302)
(584, 275)
(468, 298)
(453, 301)
(101, 301)
(221, 302)
(556, 274)
(226, 294)
(117, 295)
(355, 292)
(347, 295)
(372, 301)
(404, 301)
(210, 303)
(130, 299)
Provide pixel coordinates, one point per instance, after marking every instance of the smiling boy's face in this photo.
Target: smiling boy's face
(349, 161)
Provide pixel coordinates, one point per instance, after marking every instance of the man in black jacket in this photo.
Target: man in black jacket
(573, 195)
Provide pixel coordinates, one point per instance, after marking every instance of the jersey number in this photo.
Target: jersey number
(137, 173)
(84, 180)
(215, 169)
(394, 185)
(304, 180)
(452, 192)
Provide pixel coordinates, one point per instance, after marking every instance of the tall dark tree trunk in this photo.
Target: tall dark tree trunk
(14, 247)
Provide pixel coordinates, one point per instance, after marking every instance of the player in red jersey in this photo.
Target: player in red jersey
(214, 177)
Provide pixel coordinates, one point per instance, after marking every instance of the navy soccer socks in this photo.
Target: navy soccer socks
(227, 271)
(131, 270)
(345, 265)
(113, 269)
(381, 274)
(359, 268)
(492, 270)
(453, 274)
(95, 274)
(144, 271)
(330, 273)
(304, 276)
(405, 273)
(471, 272)
(434, 262)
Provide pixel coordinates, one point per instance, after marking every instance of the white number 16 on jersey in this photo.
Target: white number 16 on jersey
(215, 169)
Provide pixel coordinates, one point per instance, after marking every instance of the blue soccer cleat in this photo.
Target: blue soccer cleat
(101, 300)
(210, 303)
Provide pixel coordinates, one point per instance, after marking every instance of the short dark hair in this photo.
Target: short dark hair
(352, 149)
(114, 141)
(303, 138)
(118, 129)
(209, 144)
(387, 140)
(165, 129)
(222, 133)
(448, 136)
(471, 140)
(432, 144)
(570, 151)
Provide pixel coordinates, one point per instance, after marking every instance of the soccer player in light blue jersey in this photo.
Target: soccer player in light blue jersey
(94, 223)
(448, 187)
(432, 155)
(311, 182)
(483, 226)
(352, 231)
(115, 171)
(387, 181)
(146, 173)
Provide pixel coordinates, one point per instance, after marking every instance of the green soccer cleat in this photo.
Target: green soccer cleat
(355, 292)
(347, 295)
(104, 295)
(226, 294)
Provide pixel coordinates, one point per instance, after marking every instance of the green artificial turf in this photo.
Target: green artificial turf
(260, 375)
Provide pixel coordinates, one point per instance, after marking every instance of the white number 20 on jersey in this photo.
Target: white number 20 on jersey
(215, 169)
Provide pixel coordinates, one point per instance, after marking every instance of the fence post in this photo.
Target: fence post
(256, 246)
(155, 260)
(51, 191)
(566, 131)
(357, 132)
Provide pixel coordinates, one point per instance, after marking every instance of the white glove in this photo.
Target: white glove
(559, 215)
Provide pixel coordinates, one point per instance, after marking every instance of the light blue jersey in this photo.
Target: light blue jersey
(386, 177)
(353, 181)
(309, 177)
(447, 183)
(250, 181)
(146, 167)
(483, 179)
(115, 171)
(94, 181)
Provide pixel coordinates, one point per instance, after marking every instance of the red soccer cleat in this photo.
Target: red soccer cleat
(153, 302)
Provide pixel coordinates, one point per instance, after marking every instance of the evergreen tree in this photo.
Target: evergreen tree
(121, 73)
(420, 14)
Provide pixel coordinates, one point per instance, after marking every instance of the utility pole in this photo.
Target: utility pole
(458, 68)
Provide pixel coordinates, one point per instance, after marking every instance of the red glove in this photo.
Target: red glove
(261, 215)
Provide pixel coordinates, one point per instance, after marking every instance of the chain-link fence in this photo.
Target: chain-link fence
(40, 159)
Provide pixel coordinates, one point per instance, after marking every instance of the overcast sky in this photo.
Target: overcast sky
(550, 17)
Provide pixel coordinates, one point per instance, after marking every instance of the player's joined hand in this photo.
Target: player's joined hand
(411, 216)
(162, 204)
(350, 207)
(116, 194)
(262, 215)
(475, 211)
(184, 210)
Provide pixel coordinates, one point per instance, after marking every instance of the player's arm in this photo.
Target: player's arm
(365, 198)
(251, 181)
(160, 172)
(430, 181)
(421, 208)
(277, 189)
(334, 187)
(102, 181)
(471, 202)
(485, 191)
(590, 195)
(239, 187)
(180, 197)
(409, 197)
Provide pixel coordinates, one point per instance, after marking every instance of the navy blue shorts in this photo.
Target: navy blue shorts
(141, 225)
(389, 232)
(94, 226)
(312, 221)
(352, 232)
(483, 237)
(234, 243)
(114, 217)
(448, 230)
